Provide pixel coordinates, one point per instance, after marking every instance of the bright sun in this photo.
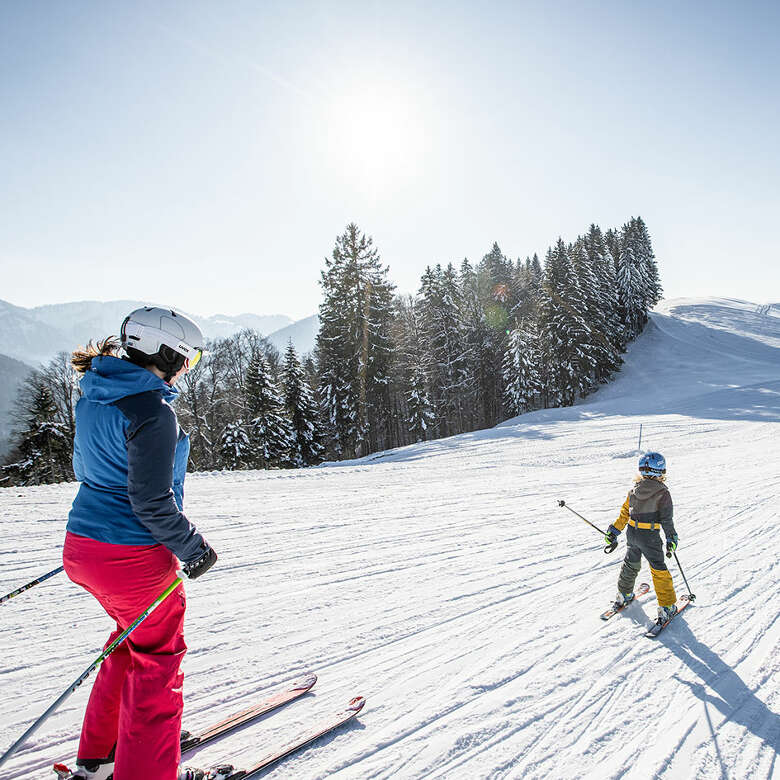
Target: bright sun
(375, 136)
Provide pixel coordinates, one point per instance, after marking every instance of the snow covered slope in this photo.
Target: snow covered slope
(442, 582)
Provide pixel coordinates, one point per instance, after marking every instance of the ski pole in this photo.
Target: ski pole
(30, 584)
(691, 597)
(610, 547)
(91, 668)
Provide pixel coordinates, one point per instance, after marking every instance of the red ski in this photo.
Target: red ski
(641, 591)
(655, 630)
(305, 737)
(223, 727)
(238, 719)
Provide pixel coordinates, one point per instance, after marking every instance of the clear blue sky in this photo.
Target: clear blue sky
(208, 153)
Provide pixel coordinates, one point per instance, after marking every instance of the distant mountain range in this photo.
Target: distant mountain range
(36, 335)
(29, 337)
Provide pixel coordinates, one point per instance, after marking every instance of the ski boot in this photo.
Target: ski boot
(622, 600)
(89, 770)
(215, 773)
(665, 614)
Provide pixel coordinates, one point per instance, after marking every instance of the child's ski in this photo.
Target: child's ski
(655, 630)
(227, 772)
(641, 591)
(237, 719)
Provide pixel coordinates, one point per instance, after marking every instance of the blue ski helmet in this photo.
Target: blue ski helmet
(652, 464)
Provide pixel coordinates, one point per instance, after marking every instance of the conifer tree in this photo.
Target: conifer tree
(305, 429)
(565, 334)
(648, 265)
(42, 451)
(267, 426)
(235, 450)
(421, 416)
(534, 268)
(521, 370)
(528, 277)
(497, 273)
(354, 347)
(411, 396)
(475, 338)
(440, 318)
(632, 288)
(602, 355)
(610, 337)
(497, 300)
(612, 241)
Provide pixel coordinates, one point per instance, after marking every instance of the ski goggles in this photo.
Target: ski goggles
(192, 356)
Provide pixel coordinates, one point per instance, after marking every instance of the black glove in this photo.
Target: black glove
(200, 565)
(610, 537)
(671, 545)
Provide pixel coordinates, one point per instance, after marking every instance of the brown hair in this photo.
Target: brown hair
(657, 477)
(81, 359)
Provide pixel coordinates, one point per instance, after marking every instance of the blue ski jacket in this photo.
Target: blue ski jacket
(131, 459)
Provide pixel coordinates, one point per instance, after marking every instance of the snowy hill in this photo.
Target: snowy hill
(302, 333)
(24, 337)
(442, 582)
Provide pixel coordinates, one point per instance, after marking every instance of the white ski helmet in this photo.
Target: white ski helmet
(163, 337)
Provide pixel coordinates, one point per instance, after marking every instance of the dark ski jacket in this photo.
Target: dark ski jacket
(648, 507)
(131, 459)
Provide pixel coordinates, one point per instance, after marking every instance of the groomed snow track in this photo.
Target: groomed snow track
(442, 582)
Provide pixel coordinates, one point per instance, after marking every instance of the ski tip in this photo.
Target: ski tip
(356, 704)
(305, 683)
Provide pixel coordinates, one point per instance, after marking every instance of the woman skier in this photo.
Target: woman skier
(125, 531)
(647, 509)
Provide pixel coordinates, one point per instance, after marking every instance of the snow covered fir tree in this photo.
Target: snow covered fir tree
(305, 428)
(44, 448)
(354, 350)
(476, 344)
(267, 426)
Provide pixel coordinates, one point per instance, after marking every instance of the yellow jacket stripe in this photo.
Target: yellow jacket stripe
(620, 523)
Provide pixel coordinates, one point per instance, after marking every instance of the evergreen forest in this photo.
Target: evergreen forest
(477, 343)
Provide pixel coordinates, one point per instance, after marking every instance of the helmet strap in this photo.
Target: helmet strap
(168, 360)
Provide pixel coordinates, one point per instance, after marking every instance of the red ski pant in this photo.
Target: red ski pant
(136, 702)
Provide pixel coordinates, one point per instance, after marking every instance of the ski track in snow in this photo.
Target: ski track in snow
(442, 582)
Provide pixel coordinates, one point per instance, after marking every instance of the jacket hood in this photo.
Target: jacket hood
(648, 488)
(111, 378)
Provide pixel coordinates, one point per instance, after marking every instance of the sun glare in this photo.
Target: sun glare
(375, 136)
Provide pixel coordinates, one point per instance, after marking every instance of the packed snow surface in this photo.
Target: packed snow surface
(443, 583)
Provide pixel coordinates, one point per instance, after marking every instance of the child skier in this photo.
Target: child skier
(124, 534)
(647, 509)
